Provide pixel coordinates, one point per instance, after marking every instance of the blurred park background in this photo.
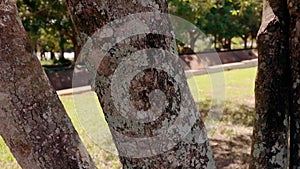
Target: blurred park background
(228, 24)
(231, 27)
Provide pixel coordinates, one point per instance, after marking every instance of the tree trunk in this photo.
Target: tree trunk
(245, 40)
(295, 64)
(193, 39)
(33, 121)
(215, 41)
(76, 48)
(270, 135)
(62, 47)
(75, 43)
(129, 132)
(228, 43)
(253, 37)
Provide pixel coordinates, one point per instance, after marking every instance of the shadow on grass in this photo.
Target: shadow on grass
(230, 153)
(235, 113)
(231, 140)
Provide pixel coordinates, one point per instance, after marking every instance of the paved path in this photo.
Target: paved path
(224, 67)
(211, 69)
(74, 90)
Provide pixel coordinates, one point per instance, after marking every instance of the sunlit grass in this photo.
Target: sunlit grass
(6, 159)
(46, 62)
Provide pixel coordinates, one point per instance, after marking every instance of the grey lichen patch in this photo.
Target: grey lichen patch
(99, 9)
(46, 116)
(146, 3)
(6, 18)
(211, 162)
(285, 122)
(78, 8)
(28, 129)
(57, 131)
(173, 47)
(83, 37)
(280, 156)
(296, 83)
(257, 150)
(7, 6)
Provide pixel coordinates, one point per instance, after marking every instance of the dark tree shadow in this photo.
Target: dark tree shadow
(236, 113)
(230, 153)
(232, 142)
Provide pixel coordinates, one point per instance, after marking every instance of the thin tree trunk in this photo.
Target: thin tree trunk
(192, 151)
(245, 40)
(76, 46)
(62, 54)
(270, 134)
(215, 41)
(193, 39)
(33, 122)
(76, 49)
(61, 47)
(295, 63)
(229, 43)
(253, 35)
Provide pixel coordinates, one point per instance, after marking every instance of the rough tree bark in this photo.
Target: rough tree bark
(294, 6)
(270, 135)
(193, 151)
(33, 121)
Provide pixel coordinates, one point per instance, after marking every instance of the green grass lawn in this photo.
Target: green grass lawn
(85, 112)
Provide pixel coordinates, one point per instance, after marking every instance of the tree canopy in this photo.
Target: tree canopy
(50, 27)
(222, 20)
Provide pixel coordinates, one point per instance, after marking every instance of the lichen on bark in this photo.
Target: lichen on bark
(33, 122)
(193, 150)
(294, 7)
(270, 134)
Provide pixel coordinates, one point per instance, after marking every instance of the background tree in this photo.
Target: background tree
(33, 122)
(222, 20)
(190, 152)
(229, 19)
(222, 23)
(192, 11)
(249, 19)
(272, 89)
(49, 25)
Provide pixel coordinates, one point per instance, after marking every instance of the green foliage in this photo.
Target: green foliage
(250, 17)
(192, 11)
(221, 19)
(47, 24)
(50, 28)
